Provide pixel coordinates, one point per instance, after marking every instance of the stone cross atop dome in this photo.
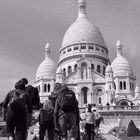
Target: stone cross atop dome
(81, 8)
(47, 50)
(119, 48)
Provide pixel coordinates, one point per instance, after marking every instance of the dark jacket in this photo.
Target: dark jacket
(58, 111)
(25, 98)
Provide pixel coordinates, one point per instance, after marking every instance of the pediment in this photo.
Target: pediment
(72, 78)
(97, 78)
(84, 59)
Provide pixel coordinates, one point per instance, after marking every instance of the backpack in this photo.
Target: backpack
(68, 101)
(46, 117)
(34, 95)
(17, 101)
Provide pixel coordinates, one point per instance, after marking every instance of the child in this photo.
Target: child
(46, 121)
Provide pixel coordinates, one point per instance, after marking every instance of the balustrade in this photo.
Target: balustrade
(115, 108)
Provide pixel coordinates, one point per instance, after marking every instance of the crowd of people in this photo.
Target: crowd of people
(59, 118)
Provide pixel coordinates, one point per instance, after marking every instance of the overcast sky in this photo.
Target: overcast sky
(27, 25)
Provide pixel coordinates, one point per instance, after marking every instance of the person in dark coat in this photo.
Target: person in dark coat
(55, 93)
(15, 113)
(63, 119)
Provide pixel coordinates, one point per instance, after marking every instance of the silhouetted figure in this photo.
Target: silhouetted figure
(66, 110)
(46, 121)
(17, 103)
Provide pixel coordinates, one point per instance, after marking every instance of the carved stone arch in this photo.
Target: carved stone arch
(75, 67)
(99, 91)
(64, 72)
(99, 95)
(84, 60)
(124, 102)
(99, 68)
(84, 95)
(69, 69)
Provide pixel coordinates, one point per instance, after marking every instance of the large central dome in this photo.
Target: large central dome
(82, 30)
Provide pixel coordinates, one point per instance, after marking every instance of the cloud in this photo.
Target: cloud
(11, 71)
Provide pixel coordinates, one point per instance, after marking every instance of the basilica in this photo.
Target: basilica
(84, 66)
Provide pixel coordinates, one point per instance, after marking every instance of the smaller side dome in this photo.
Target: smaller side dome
(59, 70)
(120, 63)
(47, 68)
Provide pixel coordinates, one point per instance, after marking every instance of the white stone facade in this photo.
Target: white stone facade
(84, 66)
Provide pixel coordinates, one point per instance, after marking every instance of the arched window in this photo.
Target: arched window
(132, 86)
(64, 71)
(76, 48)
(120, 85)
(114, 85)
(84, 91)
(100, 100)
(92, 66)
(104, 70)
(90, 47)
(64, 52)
(75, 67)
(69, 70)
(48, 87)
(83, 47)
(97, 48)
(99, 91)
(99, 68)
(124, 85)
(45, 87)
(69, 49)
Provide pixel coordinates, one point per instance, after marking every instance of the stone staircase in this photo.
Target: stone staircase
(107, 125)
(2, 123)
(113, 122)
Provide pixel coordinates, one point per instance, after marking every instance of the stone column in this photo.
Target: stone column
(89, 72)
(94, 98)
(41, 86)
(89, 97)
(80, 99)
(78, 73)
(77, 96)
(52, 85)
(128, 84)
(41, 89)
(117, 85)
